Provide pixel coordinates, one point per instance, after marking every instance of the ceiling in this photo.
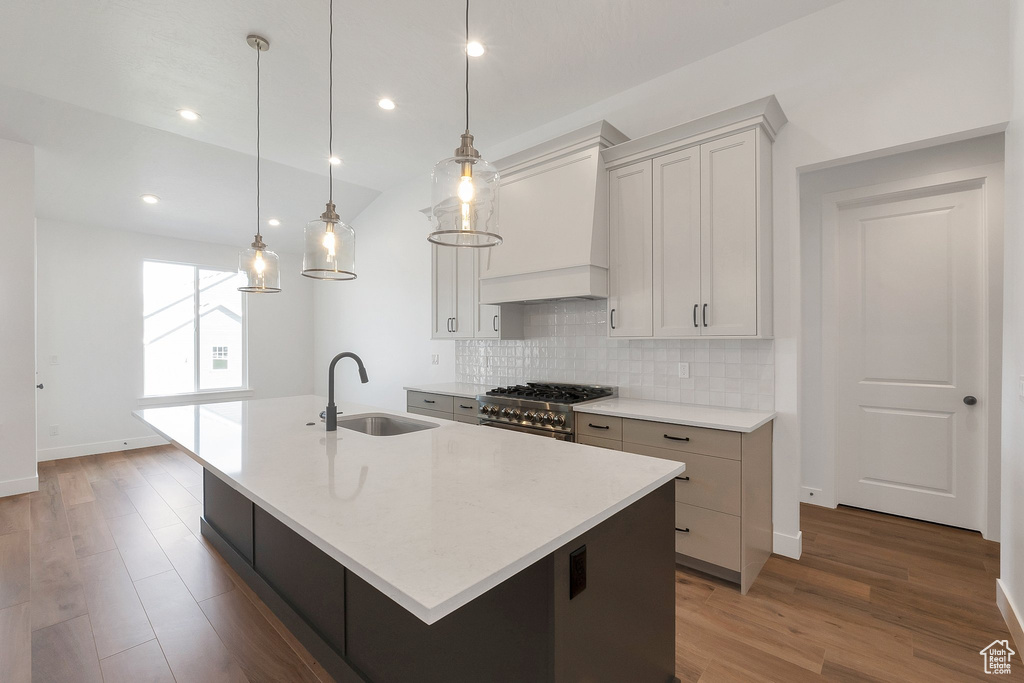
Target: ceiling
(95, 85)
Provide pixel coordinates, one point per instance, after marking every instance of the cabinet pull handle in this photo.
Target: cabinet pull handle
(685, 531)
(695, 307)
(455, 324)
(683, 478)
(427, 400)
(612, 319)
(495, 323)
(465, 407)
(704, 315)
(677, 438)
(598, 426)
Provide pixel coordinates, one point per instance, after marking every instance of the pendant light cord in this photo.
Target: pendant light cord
(330, 105)
(467, 65)
(258, 157)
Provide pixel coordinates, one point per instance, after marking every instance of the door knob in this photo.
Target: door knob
(970, 400)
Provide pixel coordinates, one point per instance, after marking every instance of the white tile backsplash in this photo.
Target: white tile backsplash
(566, 341)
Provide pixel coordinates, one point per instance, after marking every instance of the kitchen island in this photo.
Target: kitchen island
(454, 553)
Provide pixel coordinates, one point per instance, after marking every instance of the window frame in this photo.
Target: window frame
(197, 392)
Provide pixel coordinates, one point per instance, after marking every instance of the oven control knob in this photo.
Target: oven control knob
(559, 420)
(545, 418)
(506, 412)
(516, 414)
(487, 409)
(531, 416)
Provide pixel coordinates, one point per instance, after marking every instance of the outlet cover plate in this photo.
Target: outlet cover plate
(684, 371)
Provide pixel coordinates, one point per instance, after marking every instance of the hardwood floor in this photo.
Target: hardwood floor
(104, 577)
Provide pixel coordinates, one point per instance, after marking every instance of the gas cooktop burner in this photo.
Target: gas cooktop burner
(551, 393)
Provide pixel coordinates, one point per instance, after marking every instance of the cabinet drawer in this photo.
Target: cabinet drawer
(601, 426)
(429, 413)
(712, 537)
(439, 402)
(467, 419)
(674, 437)
(708, 482)
(466, 407)
(599, 442)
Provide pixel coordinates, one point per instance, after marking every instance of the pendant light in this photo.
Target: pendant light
(465, 191)
(330, 243)
(260, 266)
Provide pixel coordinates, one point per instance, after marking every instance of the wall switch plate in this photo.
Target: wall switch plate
(684, 371)
(54, 430)
(435, 359)
(577, 571)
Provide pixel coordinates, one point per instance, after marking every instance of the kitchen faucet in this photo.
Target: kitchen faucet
(331, 417)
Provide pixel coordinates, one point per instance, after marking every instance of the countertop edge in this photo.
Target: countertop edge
(597, 409)
(426, 389)
(428, 615)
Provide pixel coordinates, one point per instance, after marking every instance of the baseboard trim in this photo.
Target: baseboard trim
(17, 486)
(1011, 615)
(79, 450)
(789, 546)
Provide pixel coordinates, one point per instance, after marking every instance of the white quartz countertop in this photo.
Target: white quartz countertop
(434, 518)
(461, 389)
(712, 417)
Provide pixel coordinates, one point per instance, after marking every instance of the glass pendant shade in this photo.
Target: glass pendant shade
(465, 200)
(261, 268)
(330, 248)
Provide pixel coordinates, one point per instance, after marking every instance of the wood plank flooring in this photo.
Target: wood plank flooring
(105, 577)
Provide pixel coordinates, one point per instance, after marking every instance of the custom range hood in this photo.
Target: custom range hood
(554, 222)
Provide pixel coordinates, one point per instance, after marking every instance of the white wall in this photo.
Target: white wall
(90, 317)
(854, 78)
(384, 315)
(17, 320)
(1011, 568)
(818, 469)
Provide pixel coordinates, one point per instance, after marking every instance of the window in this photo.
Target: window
(194, 329)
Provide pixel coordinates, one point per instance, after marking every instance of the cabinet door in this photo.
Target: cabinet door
(465, 292)
(443, 291)
(630, 281)
(729, 235)
(677, 244)
(487, 323)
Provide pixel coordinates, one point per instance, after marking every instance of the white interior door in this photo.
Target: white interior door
(911, 275)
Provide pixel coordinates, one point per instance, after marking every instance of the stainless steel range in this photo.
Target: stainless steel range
(538, 408)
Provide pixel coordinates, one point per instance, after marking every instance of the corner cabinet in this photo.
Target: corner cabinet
(456, 311)
(690, 228)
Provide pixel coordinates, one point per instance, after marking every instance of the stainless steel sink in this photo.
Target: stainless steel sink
(381, 424)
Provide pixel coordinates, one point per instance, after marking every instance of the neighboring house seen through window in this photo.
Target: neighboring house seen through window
(194, 329)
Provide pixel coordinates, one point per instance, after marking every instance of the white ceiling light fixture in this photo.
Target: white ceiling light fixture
(150, 198)
(386, 103)
(465, 191)
(475, 48)
(189, 115)
(260, 266)
(273, 222)
(330, 243)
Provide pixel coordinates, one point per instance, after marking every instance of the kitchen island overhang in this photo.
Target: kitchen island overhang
(459, 535)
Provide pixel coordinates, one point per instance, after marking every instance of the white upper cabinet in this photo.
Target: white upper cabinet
(630, 285)
(443, 281)
(677, 238)
(456, 309)
(690, 227)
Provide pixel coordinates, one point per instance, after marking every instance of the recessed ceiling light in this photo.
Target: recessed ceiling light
(474, 48)
(274, 222)
(150, 198)
(334, 161)
(188, 114)
(386, 103)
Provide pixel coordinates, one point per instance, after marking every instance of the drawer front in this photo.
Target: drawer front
(674, 437)
(601, 443)
(429, 413)
(439, 402)
(713, 536)
(600, 426)
(708, 482)
(466, 407)
(467, 419)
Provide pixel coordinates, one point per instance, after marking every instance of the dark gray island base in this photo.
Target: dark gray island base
(619, 627)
